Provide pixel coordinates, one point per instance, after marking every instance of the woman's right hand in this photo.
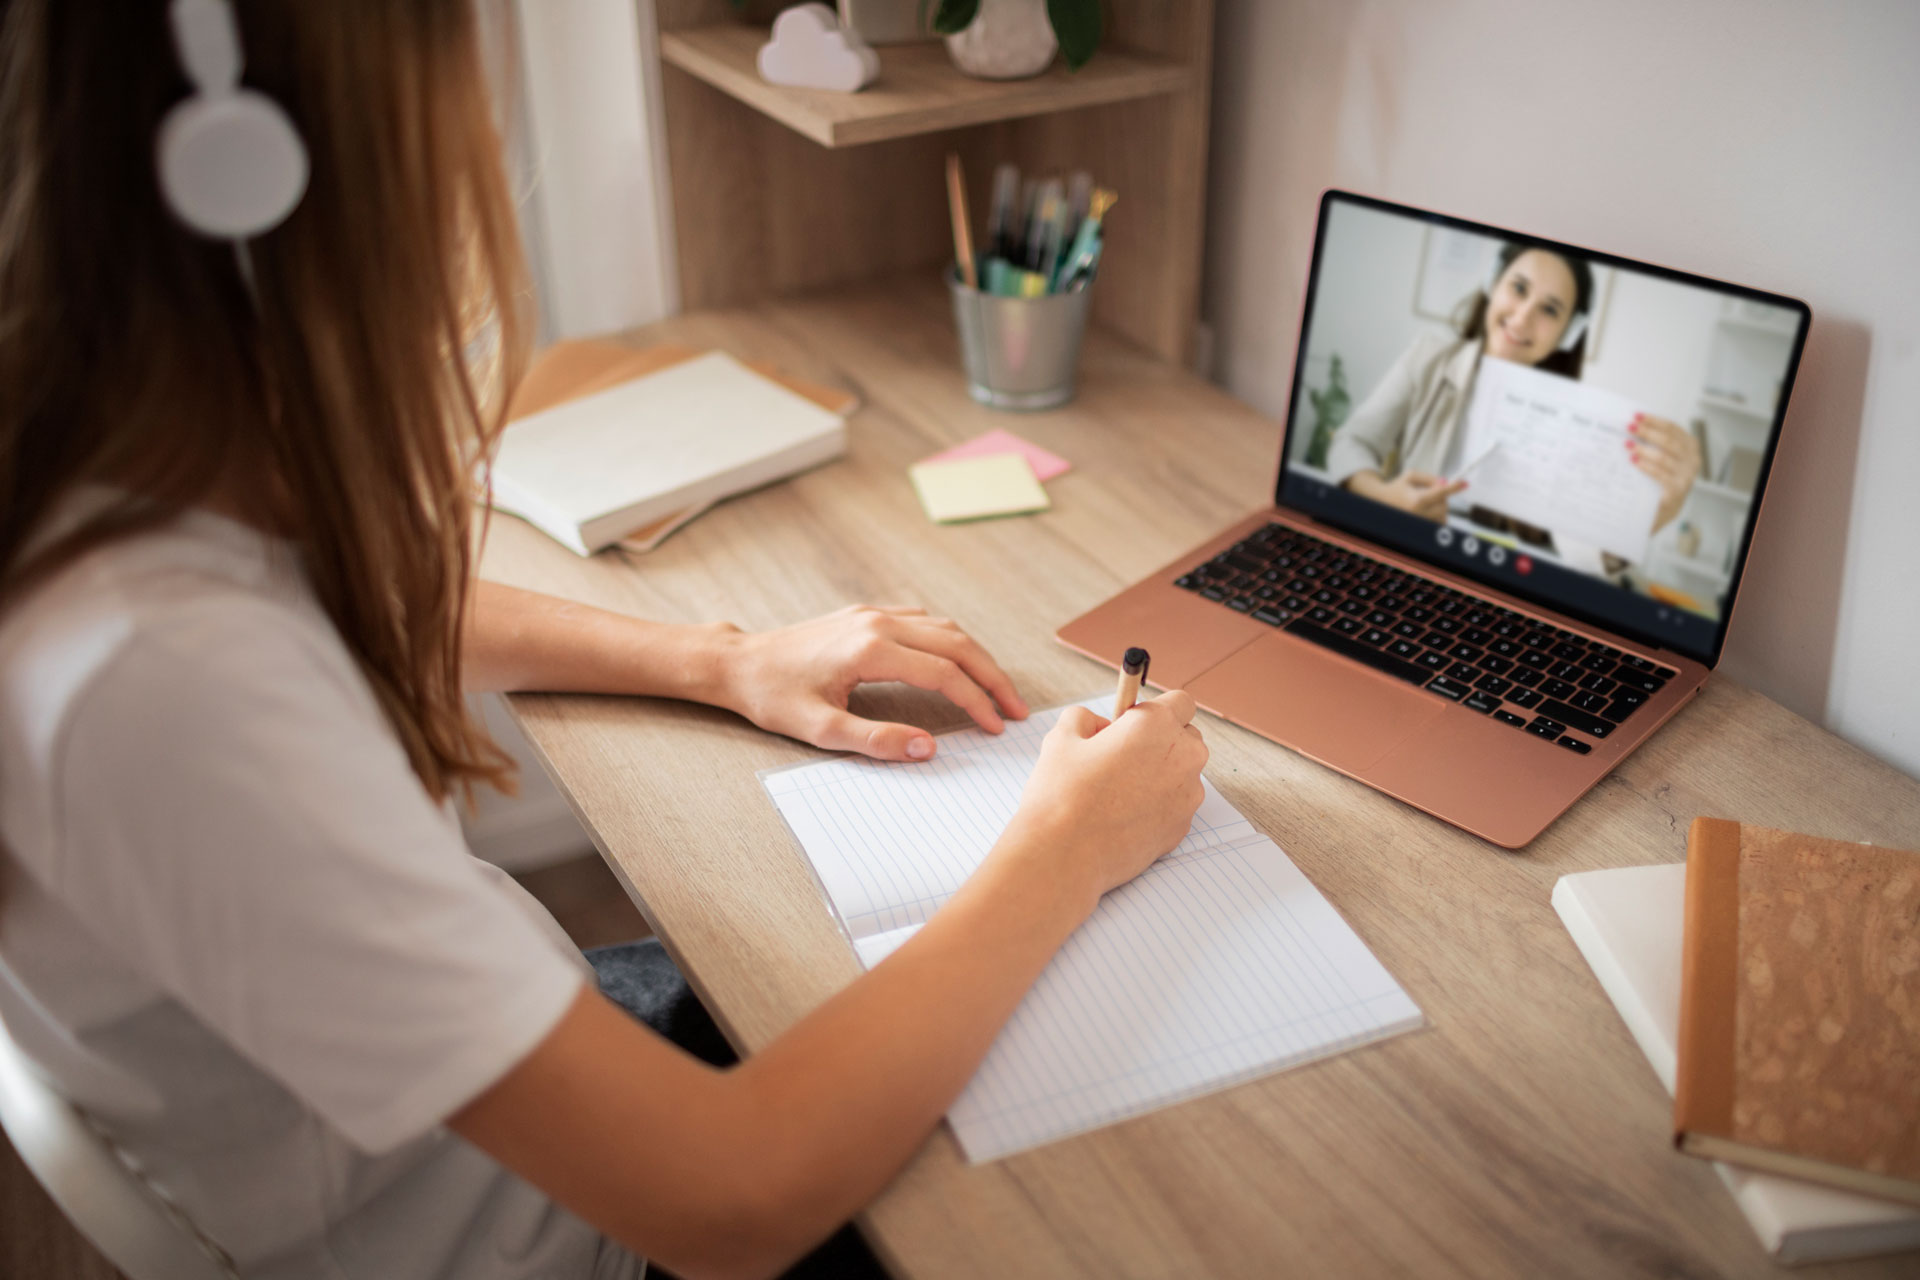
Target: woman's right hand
(1416, 491)
(1111, 797)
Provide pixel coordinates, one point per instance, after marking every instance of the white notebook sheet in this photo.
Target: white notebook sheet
(1219, 964)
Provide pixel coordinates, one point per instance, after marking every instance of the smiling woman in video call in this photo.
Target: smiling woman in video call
(1405, 437)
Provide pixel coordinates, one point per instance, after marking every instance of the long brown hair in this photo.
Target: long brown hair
(346, 406)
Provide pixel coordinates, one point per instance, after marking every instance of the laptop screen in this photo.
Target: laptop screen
(1574, 428)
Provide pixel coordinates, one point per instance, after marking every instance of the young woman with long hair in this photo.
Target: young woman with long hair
(238, 617)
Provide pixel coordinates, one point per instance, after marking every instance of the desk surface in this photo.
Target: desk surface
(1521, 1134)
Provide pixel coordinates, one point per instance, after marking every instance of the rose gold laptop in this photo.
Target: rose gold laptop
(1484, 651)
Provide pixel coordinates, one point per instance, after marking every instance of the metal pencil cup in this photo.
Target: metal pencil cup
(1019, 353)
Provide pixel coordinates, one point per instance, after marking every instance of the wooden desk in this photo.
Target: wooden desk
(1522, 1134)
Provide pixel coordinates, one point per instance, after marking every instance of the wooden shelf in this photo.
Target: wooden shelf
(918, 91)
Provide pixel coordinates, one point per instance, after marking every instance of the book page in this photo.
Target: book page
(892, 842)
(1220, 963)
(1561, 463)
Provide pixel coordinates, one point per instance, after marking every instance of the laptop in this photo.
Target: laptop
(1516, 491)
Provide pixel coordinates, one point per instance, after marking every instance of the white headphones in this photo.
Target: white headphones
(231, 163)
(1576, 327)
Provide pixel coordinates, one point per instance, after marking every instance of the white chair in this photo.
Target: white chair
(116, 1211)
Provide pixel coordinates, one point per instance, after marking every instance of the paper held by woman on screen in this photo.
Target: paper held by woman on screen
(1558, 458)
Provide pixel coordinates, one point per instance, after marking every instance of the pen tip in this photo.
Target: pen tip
(1134, 663)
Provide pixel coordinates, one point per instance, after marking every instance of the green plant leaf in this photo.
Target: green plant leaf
(954, 16)
(1076, 24)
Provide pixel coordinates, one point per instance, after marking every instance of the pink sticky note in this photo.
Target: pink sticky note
(1045, 465)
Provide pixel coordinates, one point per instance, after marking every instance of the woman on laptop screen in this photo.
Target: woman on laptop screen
(1407, 437)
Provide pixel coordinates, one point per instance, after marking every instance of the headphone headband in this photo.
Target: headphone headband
(232, 165)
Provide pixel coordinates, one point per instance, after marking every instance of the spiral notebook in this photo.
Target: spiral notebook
(1220, 963)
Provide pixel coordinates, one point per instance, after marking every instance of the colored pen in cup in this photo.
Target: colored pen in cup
(1133, 670)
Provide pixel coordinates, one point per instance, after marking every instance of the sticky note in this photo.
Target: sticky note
(1045, 465)
(1000, 484)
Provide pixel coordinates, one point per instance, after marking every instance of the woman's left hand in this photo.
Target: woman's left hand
(1669, 453)
(796, 680)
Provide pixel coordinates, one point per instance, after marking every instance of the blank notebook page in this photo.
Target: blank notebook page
(1220, 963)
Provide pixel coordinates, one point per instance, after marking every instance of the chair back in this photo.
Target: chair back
(115, 1210)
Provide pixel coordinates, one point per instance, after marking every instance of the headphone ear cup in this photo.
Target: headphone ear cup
(232, 165)
(1576, 327)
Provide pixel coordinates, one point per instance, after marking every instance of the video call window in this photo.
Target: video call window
(1571, 412)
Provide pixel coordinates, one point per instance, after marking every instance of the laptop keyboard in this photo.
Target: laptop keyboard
(1545, 680)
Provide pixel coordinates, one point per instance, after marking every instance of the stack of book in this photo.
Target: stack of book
(1773, 981)
(608, 444)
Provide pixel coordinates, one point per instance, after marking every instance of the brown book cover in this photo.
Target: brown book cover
(1800, 1008)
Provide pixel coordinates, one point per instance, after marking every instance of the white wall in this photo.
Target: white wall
(1768, 142)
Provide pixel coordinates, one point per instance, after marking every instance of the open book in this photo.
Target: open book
(1218, 964)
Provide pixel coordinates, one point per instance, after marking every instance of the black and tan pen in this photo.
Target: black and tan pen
(1133, 670)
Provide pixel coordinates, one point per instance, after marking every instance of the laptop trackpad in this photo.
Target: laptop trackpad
(1320, 704)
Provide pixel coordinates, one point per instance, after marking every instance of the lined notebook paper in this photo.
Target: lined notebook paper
(1219, 964)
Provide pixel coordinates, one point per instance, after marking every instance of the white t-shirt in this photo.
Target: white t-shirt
(235, 930)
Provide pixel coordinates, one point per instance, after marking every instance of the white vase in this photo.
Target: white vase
(1007, 40)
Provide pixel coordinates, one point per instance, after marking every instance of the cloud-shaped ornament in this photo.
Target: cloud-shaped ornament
(811, 50)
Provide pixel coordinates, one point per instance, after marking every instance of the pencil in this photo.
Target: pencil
(962, 237)
(1133, 669)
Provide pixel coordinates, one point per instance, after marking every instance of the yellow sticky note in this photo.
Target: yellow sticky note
(1000, 484)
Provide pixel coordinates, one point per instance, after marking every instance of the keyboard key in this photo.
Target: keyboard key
(1213, 593)
(1379, 618)
(1374, 636)
(1462, 672)
(1465, 652)
(1505, 648)
(1585, 721)
(1645, 681)
(1245, 563)
(1481, 702)
(1411, 630)
(1638, 664)
(1557, 689)
(1404, 649)
(1492, 684)
(1362, 592)
(1352, 608)
(1320, 613)
(1272, 617)
(1325, 596)
(1384, 662)
(1474, 635)
(1448, 625)
(1545, 730)
(1294, 603)
(1632, 697)
(1347, 626)
(1536, 659)
(1188, 582)
(1549, 724)
(1574, 744)
(1569, 651)
(1448, 688)
(1567, 671)
(1433, 659)
(1594, 702)
(1598, 662)
(1417, 613)
(1617, 710)
(1523, 697)
(1507, 717)
(1437, 640)
(1597, 683)
(1525, 676)
(1495, 663)
(1240, 604)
